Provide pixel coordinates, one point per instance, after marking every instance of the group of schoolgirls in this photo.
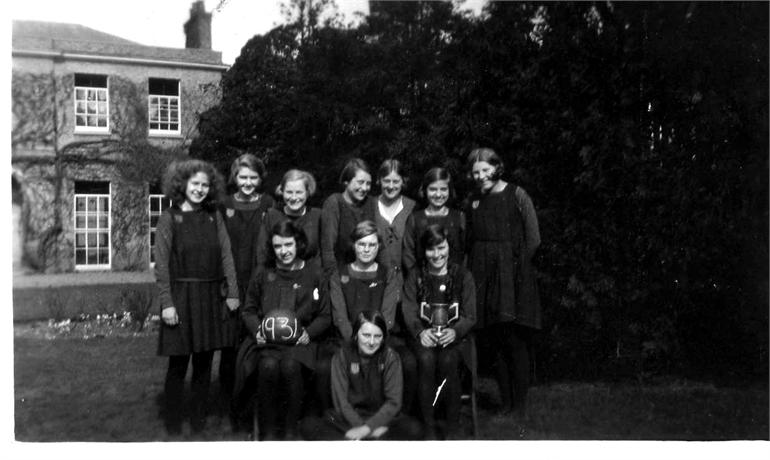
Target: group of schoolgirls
(357, 274)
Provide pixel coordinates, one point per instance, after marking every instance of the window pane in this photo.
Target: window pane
(103, 204)
(104, 256)
(91, 121)
(102, 108)
(80, 203)
(91, 204)
(152, 238)
(80, 120)
(103, 221)
(103, 243)
(80, 94)
(154, 221)
(92, 107)
(80, 221)
(102, 95)
(91, 240)
(102, 122)
(91, 257)
(80, 240)
(174, 127)
(80, 256)
(91, 222)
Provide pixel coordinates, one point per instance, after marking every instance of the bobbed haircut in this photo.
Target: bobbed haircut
(362, 230)
(487, 155)
(374, 317)
(351, 168)
(434, 234)
(179, 173)
(435, 174)
(392, 165)
(298, 174)
(247, 160)
(286, 229)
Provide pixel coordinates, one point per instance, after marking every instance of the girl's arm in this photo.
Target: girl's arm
(467, 307)
(330, 224)
(393, 387)
(163, 238)
(340, 386)
(228, 266)
(251, 313)
(390, 299)
(531, 226)
(408, 259)
(339, 307)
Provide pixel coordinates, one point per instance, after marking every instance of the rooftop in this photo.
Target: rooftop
(78, 39)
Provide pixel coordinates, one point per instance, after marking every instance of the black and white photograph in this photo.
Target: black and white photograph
(243, 227)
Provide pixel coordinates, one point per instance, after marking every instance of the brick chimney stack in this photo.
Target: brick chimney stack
(198, 27)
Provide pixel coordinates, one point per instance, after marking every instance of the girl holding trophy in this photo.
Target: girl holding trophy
(439, 308)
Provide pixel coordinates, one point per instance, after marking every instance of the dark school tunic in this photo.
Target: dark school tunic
(352, 291)
(453, 222)
(192, 262)
(243, 221)
(309, 222)
(298, 290)
(338, 220)
(503, 235)
(367, 390)
(456, 286)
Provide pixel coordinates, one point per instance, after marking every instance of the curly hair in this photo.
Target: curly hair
(433, 175)
(285, 229)
(247, 160)
(179, 173)
(298, 174)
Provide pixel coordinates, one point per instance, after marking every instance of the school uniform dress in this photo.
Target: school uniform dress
(195, 272)
(366, 391)
(309, 222)
(338, 220)
(438, 363)
(276, 369)
(244, 221)
(503, 235)
(453, 222)
(193, 266)
(352, 291)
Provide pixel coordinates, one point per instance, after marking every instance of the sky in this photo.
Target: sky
(160, 22)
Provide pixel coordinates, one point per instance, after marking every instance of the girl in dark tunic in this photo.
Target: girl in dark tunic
(439, 352)
(289, 283)
(342, 211)
(437, 190)
(366, 388)
(193, 264)
(295, 189)
(504, 235)
(243, 212)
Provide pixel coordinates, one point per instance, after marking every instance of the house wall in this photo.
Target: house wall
(48, 157)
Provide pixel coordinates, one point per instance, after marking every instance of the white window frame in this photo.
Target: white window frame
(160, 198)
(160, 105)
(98, 229)
(87, 98)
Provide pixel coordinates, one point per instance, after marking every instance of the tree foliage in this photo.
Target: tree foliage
(640, 130)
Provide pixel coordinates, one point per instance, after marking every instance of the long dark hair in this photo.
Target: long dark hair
(286, 229)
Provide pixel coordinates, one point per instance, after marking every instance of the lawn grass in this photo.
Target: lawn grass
(107, 389)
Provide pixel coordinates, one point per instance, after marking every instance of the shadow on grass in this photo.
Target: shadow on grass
(109, 389)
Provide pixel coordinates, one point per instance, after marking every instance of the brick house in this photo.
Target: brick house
(95, 119)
